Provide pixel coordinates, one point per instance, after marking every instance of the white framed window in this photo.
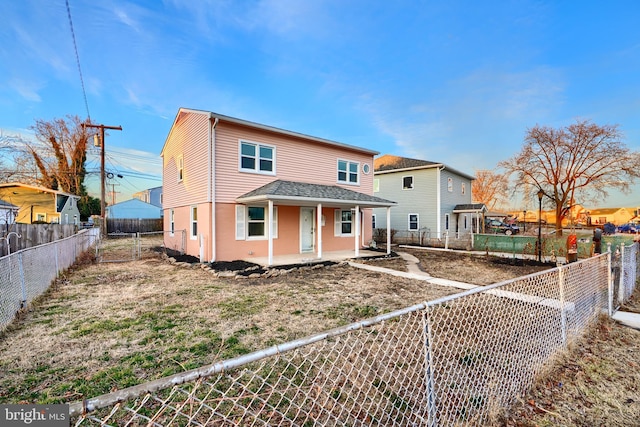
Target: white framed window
(251, 222)
(66, 218)
(194, 223)
(407, 182)
(446, 222)
(348, 172)
(180, 161)
(343, 222)
(450, 185)
(376, 185)
(466, 223)
(463, 188)
(366, 169)
(41, 217)
(373, 221)
(75, 219)
(257, 158)
(414, 224)
(172, 222)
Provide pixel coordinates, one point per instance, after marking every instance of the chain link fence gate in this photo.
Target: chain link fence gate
(123, 247)
(456, 360)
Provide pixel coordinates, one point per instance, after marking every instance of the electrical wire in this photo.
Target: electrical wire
(75, 46)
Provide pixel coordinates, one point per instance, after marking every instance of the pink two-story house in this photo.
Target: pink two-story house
(247, 191)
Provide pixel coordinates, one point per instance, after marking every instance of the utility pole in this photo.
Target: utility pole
(103, 223)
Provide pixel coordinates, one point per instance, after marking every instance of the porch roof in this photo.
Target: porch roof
(302, 193)
(470, 208)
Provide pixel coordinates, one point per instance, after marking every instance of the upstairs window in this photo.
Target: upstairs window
(463, 189)
(376, 185)
(180, 168)
(257, 158)
(348, 172)
(450, 185)
(407, 182)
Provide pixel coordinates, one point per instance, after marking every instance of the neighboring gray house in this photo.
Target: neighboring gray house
(133, 209)
(150, 195)
(430, 197)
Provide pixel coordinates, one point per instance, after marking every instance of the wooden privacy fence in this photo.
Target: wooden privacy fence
(133, 225)
(29, 235)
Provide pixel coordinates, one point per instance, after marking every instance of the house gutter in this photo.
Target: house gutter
(212, 182)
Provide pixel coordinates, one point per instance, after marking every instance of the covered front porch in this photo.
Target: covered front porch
(333, 211)
(312, 258)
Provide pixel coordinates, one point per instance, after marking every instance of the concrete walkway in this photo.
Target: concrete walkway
(631, 320)
(413, 272)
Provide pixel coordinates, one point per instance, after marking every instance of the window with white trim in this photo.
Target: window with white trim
(376, 185)
(180, 161)
(348, 172)
(194, 223)
(373, 221)
(41, 217)
(172, 222)
(414, 224)
(450, 185)
(466, 223)
(257, 158)
(446, 222)
(251, 222)
(343, 222)
(407, 182)
(463, 188)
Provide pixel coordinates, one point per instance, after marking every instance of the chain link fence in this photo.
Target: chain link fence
(28, 273)
(457, 360)
(123, 247)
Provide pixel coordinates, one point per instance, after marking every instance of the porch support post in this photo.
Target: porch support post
(388, 230)
(357, 231)
(319, 228)
(270, 232)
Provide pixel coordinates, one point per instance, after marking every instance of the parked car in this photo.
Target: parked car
(609, 228)
(628, 228)
(497, 226)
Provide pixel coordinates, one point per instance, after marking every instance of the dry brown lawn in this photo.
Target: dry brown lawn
(108, 326)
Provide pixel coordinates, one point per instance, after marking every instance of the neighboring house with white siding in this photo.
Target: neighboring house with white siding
(150, 195)
(430, 196)
(244, 190)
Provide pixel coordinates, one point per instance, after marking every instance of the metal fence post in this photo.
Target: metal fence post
(432, 421)
(609, 279)
(623, 280)
(23, 303)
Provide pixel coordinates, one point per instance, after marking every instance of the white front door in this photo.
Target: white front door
(306, 229)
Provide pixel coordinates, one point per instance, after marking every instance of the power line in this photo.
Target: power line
(75, 46)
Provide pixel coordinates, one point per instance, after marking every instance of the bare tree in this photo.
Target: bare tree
(581, 161)
(489, 188)
(15, 163)
(60, 154)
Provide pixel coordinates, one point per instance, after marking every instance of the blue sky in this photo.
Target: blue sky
(452, 81)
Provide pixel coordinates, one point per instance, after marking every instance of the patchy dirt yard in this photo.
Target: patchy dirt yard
(113, 325)
(108, 326)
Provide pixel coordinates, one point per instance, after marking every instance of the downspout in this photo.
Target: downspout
(212, 183)
(438, 202)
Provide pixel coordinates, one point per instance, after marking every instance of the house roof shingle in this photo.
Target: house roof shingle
(297, 192)
(389, 163)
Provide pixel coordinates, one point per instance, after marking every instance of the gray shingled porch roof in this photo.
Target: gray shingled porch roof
(470, 207)
(302, 193)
